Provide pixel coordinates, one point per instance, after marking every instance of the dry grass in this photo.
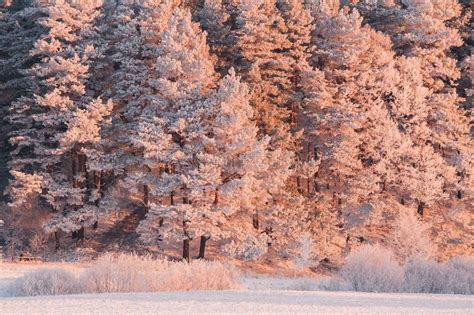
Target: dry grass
(129, 273)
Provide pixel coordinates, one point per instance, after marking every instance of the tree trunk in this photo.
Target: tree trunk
(98, 184)
(145, 195)
(80, 234)
(421, 208)
(202, 246)
(308, 185)
(255, 221)
(186, 249)
(74, 169)
(56, 238)
(216, 196)
(172, 198)
(298, 184)
(308, 153)
(74, 235)
(95, 225)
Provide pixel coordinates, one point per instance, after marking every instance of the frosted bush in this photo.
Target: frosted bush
(412, 237)
(305, 252)
(45, 282)
(199, 275)
(460, 275)
(133, 273)
(372, 268)
(427, 276)
(251, 249)
(123, 273)
(424, 276)
(130, 273)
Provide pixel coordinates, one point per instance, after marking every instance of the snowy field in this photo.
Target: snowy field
(263, 295)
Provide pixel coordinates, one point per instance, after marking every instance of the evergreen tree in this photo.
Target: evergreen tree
(215, 19)
(371, 157)
(261, 59)
(61, 72)
(19, 31)
(185, 74)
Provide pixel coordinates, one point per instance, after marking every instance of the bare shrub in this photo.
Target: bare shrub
(45, 282)
(372, 268)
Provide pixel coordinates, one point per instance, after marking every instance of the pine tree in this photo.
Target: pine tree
(127, 71)
(373, 157)
(62, 70)
(215, 19)
(263, 63)
(184, 75)
(19, 31)
(422, 30)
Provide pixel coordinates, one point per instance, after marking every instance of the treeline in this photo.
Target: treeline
(250, 122)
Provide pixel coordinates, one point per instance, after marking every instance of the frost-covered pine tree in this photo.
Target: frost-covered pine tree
(127, 72)
(373, 159)
(215, 19)
(211, 173)
(61, 72)
(16, 83)
(250, 175)
(185, 74)
(263, 63)
(225, 178)
(423, 31)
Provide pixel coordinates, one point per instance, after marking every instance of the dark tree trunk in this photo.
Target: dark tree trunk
(56, 238)
(308, 153)
(82, 163)
(74, 235)
(98, 184)
(95, 225)
(145, 195)
(216, 196)
(421, 208)
(74, 169)
(186, 249)
(298, 184)
(172, 198)
(80, 234)
(255, 221)
(202, 246)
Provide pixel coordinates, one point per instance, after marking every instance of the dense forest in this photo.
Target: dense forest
(257, 127)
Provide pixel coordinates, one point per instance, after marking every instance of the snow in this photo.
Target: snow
(250, 302)
(254, 300)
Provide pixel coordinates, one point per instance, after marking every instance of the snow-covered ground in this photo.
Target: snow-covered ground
(253, 300)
